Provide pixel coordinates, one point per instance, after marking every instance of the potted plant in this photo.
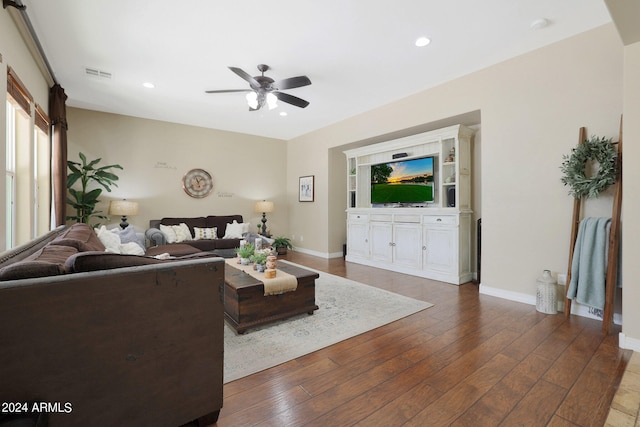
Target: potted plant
(282, 244)
(260, 258)
(84, 201)
(245, 252)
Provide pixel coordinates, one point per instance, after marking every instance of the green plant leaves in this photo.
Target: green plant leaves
(83, 200)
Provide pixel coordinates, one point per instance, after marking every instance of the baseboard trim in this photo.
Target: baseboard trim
(577, 309)
(628, 343)
(325, 255)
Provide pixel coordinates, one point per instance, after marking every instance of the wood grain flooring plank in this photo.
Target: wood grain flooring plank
(386, 382)
(494, 406)
(264, 409)
(569, 365)
(468, 364)
(402, 408)
(328, 400)
(455, 402)
(537, 407)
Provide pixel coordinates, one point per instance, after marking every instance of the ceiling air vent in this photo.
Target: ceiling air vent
(97, 74)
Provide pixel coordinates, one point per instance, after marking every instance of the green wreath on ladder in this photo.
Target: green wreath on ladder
(574, 167)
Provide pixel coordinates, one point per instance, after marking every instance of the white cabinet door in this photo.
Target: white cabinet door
(407, 245)
(358, 239)
(440, 249)
(381, 241)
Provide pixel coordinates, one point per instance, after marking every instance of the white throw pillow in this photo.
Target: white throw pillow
(245, 227)
(169, 233)
(131, 248)
(111, 241)
(205, 233)
(234, 230)
(182, 232)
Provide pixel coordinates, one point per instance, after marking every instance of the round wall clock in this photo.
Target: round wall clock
(197, 183)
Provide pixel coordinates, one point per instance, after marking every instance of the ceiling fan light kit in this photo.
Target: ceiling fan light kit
(264, 90)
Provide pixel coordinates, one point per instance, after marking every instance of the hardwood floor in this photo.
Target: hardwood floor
(471, 360)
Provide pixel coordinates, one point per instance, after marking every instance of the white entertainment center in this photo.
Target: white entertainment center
(430, 239)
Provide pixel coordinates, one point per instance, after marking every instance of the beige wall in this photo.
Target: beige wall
(631, 198)
(531, 109)
(155, 155)
(15, 54)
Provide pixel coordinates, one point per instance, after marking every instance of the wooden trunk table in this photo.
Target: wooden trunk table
(246, 306)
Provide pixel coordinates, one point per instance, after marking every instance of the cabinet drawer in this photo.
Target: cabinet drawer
(381, 217)
(441, 219)
(407, 218)
(358, 217)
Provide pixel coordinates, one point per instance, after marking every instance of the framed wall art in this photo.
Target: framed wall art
(305, 189)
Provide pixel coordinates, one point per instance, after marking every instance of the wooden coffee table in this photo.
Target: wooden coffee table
(246, 306)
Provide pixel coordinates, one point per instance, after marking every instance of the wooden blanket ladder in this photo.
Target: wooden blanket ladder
(614, 239)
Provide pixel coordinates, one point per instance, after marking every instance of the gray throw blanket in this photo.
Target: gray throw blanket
(589, 264)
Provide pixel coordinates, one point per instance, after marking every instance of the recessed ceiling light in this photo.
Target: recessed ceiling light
(148, 85)
(422, 41)
(283, 113)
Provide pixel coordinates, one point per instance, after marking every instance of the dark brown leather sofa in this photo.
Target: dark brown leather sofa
(157, 238)
(110, 340)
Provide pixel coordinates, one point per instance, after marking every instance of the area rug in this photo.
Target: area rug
(347, 308)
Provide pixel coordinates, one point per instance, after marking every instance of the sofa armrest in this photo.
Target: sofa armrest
(155, 236)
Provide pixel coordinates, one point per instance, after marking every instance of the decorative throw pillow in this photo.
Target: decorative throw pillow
(182, 232)
(245, 227)
(131, 248)
(169, 233)
(111, 241)
(128, 235)
(234, 230)
(205, 233)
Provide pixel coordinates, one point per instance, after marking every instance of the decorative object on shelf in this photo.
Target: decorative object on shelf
(452, 156)
(547, 294)
(282, 244)
(245, 252)
(264, 207)
(197, 183)
(305, 189)
(83, 200)
(123, 208)
(574, 167)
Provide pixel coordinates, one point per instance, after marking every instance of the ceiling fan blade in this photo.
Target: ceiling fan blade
(290, 99)
(243, 74)
(292, 83)
(228, 90)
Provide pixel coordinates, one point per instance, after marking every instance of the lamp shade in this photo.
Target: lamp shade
(264, 206)
(123, 208)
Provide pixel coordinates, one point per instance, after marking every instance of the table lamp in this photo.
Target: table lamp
(124, 208)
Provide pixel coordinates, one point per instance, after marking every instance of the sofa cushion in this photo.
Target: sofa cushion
(221, 221)
(92, 261)
(80, 236)
(205, 233)
(191, 222)
(234, 231)
(48, 261)
(175, 249)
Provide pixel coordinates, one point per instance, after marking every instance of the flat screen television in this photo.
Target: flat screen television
(403, 182)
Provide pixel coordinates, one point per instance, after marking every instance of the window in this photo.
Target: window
(10, 169)
(28, 166)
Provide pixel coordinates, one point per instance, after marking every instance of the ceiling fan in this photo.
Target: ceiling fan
(264, 90)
